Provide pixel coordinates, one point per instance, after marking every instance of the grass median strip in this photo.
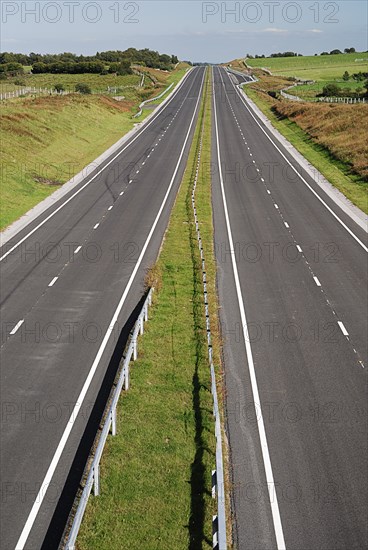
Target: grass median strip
(156, 474)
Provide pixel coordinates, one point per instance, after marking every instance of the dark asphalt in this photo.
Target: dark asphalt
(312, 379)
(45, 363)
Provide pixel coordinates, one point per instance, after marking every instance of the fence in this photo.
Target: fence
(93, 478)
(218, 486)
(29, 91)
(291, 97)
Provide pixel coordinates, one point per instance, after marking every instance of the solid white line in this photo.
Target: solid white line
(300, 176)
(53, 281)
(261, 428)
(160, 111)
(317, 281)
(95, 227)
(299, 248)
(79, 402)
(19, 324)
(343, 329)
(77, 250)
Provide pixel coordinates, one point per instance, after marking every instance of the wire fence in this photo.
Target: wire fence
(218, 485)
(109, 425)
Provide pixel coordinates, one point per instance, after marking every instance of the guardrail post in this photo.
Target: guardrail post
(96, 480)
(215, 532)
(141, 324)
(113, 422)
(214, 483)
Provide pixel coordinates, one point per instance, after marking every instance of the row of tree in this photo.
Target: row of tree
(294, 54)
(72, 63)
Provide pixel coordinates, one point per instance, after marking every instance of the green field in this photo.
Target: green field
(98, 83)
(310, 91)
(156, 473)
(321, 67)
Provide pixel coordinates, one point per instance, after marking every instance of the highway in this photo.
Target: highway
(71, 282)
(292, 274)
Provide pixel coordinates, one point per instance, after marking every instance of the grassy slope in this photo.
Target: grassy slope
(45, 141)
(156, 474)
(316, 149)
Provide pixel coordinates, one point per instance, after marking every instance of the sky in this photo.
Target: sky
(191, 29)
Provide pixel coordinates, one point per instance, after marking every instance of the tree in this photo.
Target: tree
(330, 90)
(345, 76)
(335, 52)
(349, 50)
(83, 89)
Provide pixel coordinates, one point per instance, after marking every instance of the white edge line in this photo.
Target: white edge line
(159, 112)
(53, 281)
(17, 326)
(50, 472)
(343, 329)
(261, 428)
(300, 176)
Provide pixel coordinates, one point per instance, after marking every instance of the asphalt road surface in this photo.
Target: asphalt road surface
(292, 283)
(71, 281)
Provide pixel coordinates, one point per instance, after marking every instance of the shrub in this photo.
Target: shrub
(330, 90)
(83, 89)
(59, 88)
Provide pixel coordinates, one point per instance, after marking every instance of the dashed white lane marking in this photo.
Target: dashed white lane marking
(110, 208)
(17, 326)
(343, 329)
(95, 227)
(53, 281)
(268, 191)
(77, 250)
(130, 181)
(262, 179)
(276, 206)
(39, 498)
(143, 163)
(299, 248)
(316, 280)
(280, 542)
(287, 225)
(137, 172)
(122, 193)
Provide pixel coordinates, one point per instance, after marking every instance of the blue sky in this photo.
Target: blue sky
(191, 29)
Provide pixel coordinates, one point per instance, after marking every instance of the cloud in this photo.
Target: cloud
(274, 29)
(314, 30)
(9, 41)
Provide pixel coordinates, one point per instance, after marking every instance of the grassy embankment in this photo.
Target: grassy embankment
(156, 473)
(47, 140)
(332, 137)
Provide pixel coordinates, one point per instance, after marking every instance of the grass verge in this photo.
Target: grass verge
(337, 172)
(45, 141)
(156, 474)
